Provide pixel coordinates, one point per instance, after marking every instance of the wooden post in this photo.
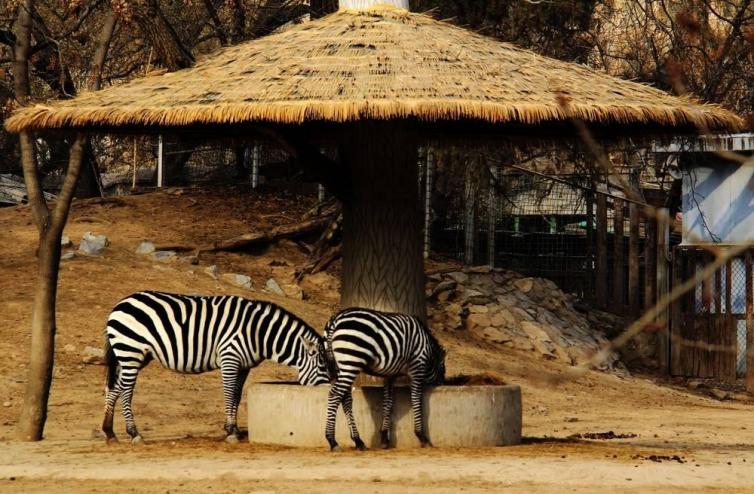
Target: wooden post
(663, 239)
(676, 318)
(159, 161)
(650, 264)
(429, 173)
(601, 282)
(469, 226)
(618, 252)
(492, 217)
(589, 288)
(633, 262)
(749, 325)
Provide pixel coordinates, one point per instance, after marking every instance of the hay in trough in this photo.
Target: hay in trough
(482, 379)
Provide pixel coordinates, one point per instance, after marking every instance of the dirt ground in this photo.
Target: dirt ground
(684, 442)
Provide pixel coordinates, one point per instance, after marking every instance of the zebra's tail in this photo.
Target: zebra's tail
(112, 365)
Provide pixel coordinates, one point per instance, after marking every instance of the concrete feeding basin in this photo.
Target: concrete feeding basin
(286, 414)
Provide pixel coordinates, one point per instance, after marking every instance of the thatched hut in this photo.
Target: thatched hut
(374, 78)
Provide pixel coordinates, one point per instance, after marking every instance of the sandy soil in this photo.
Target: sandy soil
(181, 416)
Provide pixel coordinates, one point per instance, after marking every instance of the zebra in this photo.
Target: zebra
(195, 334)
(382, 344)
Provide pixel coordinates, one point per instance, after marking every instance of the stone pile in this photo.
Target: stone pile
(506, 308)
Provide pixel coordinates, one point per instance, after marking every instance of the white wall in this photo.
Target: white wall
(718, 204)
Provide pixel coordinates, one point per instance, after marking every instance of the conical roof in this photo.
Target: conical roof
(383, 63)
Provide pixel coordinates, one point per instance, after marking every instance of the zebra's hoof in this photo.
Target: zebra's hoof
(232, 439)
(361, 446)
(335, 449)
(137, 440)
(385, 445)
(427, 444)
(111, 440)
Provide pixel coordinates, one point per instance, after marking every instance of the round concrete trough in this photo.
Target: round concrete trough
(457, 416)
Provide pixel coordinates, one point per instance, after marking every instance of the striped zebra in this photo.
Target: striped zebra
(195, 334)
(386, 345)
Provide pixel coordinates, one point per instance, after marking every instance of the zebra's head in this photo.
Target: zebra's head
(436, 364)
(312, 366)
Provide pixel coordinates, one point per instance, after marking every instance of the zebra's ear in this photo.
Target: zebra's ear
(311, 347)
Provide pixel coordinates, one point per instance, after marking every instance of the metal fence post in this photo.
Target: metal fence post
(255, 158)
(160, 177)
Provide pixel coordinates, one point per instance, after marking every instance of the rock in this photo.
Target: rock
(7, 404)
(696, 384)
(239, 280)
(65, 241)
(478, 309)
(146, 247)
(164, 255)
(69, 348)
(719, 394)
(534, 331)
(434, 277)
(92, 245)
(212, 271)
(443, 287)
(479, 269)
(458, 277)
(95, 356)
(272, 286)
(67, 256)
(443, 296)
(524, 285)
(478, 321)
(496, 335)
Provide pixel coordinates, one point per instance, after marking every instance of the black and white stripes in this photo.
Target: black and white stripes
(194, 334)
(386, 345)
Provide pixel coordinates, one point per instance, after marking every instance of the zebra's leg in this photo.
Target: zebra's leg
(417, 405)
(240, 381)
(230, 375)
(127, 383)
(348, 410)
(110, 399)
(387, 411)
(336, 396)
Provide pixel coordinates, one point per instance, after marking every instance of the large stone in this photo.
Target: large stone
(478, 321)
(458, 277)
(92, 245)
(65, 241)
(239, 280)
(524, 285)
(164, 255)
(212, 271)
(478, 309)
(67, 255)
(272, 286)
(535, 331)
(442, 287)
(146, 247)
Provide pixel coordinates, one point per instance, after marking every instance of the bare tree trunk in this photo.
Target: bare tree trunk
(159, 32)
(50, 225)
(383, 266)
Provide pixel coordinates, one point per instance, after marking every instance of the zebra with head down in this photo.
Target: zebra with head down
(385, 345)
(196, 334)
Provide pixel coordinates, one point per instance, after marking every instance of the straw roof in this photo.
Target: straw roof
(382, 63)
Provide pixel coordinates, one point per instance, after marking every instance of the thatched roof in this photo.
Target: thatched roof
(382, 63)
